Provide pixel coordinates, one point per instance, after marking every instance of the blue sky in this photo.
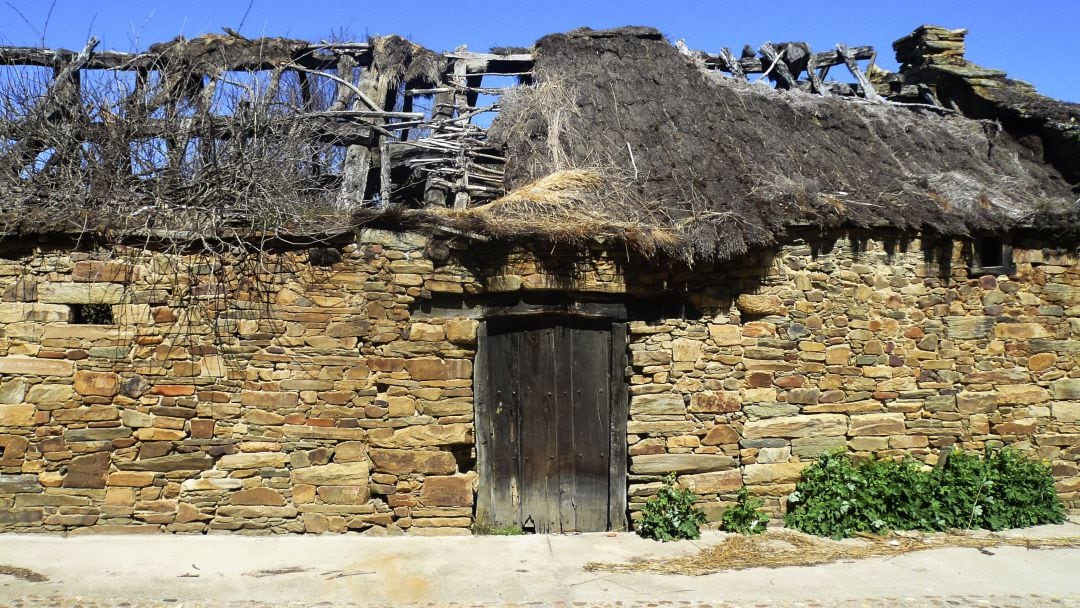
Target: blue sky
(1032, 40)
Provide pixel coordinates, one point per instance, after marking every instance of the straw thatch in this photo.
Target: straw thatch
(570, 206)
(405, 62)
(717, 165)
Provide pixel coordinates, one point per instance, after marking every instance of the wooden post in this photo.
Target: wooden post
(435, 195)
(461, 198)
(343, 96)
(307, 99)
(273, 85)
(472, 95)
(354, 177)
(732, 62)
(463, 101)
(173, 92)
(354, 169)
(67, 107)
(784, 79)
(849, 59)
(406, 106)
(358, 158)
(65, 94)
(384, 172)
(815, 78)
(459, 80)
(443, 105)
(204, 112)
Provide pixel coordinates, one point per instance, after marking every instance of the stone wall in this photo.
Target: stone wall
(849, 346)
(330, 389)
(248, 393)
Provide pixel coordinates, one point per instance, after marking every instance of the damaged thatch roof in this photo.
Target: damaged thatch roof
(226, 51)
(614, 134)
(707, 166)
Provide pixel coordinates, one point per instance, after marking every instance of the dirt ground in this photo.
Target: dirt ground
(580, 570)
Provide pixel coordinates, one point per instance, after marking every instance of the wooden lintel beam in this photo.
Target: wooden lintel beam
(491, 63)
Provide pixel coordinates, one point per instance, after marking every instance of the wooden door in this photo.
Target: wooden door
(551, 424)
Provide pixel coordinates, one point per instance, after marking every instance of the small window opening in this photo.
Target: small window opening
(324, 256)
(92, 314)
(989, 250)
(992, 255)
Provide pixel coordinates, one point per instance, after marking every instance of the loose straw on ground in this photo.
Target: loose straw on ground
(789, 548)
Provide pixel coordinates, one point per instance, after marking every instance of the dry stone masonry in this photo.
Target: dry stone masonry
(862, 349)
(289, 392)
(283, 397)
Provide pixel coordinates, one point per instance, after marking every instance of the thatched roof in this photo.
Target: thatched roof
(615, 134)
(713, 166)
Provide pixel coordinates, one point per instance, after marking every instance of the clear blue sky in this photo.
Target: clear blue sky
(1033, 40)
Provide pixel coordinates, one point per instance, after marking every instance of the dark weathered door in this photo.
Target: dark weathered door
(551, 424)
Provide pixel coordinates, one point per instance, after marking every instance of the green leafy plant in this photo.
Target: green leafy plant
(746, 516)
(670, 514)
(1000, 489)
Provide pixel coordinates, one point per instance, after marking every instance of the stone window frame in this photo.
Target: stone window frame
(1002, 263)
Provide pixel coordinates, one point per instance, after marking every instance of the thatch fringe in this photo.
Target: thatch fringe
(570, 206)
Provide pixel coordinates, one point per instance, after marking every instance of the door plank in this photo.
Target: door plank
(564, 359)
(620, 412)
(499, 449)
(509, 466)
(539, 477)
(591, 414)
(485, 427)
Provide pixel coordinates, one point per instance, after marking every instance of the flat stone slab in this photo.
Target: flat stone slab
(14, 484)
(176, 462)
(659, 464)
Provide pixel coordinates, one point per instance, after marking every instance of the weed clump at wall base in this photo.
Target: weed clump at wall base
(997, 490)
(670, 514)
(484, 528)
(746, 517)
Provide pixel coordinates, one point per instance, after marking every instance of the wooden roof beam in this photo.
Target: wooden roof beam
(754, 65)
